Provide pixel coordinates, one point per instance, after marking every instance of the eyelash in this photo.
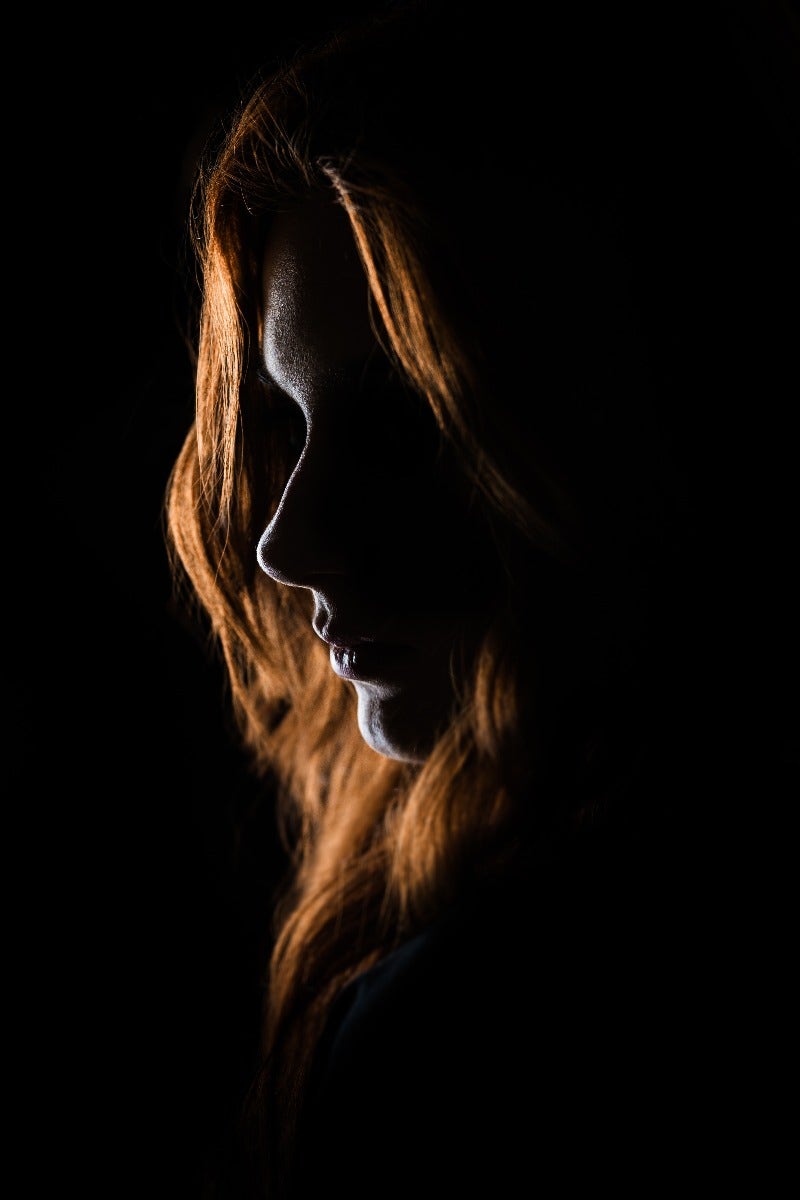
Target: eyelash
(285, 417)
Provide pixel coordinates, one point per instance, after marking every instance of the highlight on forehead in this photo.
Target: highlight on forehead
(315, 295)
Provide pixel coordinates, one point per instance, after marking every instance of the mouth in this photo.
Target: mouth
(368, 650)
(364, 658)
(369, 662)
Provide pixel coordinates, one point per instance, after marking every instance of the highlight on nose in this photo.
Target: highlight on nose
(268, 556)
(301, 542)
(292, 545)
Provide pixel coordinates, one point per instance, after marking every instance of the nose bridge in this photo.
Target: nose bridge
(303, 539)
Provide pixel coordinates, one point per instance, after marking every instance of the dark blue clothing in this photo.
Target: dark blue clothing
(554, 1030)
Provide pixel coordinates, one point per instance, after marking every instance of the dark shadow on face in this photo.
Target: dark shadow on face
(375, 520)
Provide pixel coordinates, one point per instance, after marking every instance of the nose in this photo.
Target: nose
(306, 537)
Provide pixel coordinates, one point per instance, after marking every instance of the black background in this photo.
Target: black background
(140, 917)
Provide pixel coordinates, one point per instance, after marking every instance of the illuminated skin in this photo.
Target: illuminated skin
(373, 521)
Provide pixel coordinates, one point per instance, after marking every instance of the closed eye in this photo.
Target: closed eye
(286, 419)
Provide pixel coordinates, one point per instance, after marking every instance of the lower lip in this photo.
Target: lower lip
(369, 661)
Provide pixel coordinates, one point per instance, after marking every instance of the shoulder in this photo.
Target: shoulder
(542, 1006)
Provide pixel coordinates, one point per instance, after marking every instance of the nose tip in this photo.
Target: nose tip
(301, 543)
(327, 521)
(266, 558)
(286, 549)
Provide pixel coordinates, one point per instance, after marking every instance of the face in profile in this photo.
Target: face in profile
(375, 520)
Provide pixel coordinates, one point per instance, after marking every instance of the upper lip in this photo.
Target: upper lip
(334, 636)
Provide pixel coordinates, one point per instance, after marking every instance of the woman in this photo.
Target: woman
(440, 512)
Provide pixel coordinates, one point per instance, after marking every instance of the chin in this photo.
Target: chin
(385, 725)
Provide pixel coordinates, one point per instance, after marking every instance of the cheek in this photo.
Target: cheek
(446, 545)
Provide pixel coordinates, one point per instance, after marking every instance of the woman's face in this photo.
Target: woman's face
(374, 520)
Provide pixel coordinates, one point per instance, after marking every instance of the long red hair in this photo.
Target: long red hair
(582, 528)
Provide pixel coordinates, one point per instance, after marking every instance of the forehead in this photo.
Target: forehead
(315, 297)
